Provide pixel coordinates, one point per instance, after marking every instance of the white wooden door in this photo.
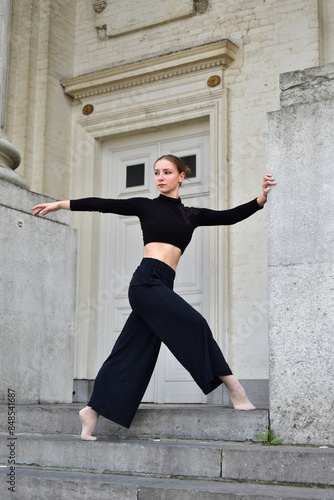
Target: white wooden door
(128, 171)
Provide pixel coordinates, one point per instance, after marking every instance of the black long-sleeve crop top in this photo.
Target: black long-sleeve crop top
(165, 219)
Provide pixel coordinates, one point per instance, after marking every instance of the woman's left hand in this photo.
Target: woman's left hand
(268, 181)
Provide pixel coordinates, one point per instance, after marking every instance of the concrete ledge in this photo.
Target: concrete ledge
(188, 459)
(36, 484)
(22, 200)
(151, 421)
(164, 459)
(279, 464)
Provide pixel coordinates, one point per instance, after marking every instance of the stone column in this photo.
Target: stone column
(10, 157)
(301, 258)
(37, 278)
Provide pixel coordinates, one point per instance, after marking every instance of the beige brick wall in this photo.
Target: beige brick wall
(265, 24)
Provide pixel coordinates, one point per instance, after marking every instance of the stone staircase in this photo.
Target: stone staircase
(171, 452)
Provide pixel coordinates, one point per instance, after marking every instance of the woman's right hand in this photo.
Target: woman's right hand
(45, 208)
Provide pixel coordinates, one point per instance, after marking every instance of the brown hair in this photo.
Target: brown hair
(178, 162)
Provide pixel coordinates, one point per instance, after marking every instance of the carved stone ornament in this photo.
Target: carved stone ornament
(102, 32)
(214, 81)
(200, 6)
(88, 109)
(99, 5)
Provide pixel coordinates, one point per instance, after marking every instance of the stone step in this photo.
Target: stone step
(35, 484)
(151, 421)
(207, 460)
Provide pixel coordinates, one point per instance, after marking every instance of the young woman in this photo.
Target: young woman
(158, 313)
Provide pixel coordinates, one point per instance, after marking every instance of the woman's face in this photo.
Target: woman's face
(167, 178)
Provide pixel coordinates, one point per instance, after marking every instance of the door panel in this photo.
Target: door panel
(127, 172)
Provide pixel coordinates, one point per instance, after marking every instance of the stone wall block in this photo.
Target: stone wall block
(302, 353)
(301, 258)
(306, 86)
(301, 152)
(37, 301)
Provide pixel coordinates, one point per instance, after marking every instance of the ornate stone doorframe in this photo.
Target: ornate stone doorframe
(147, 95)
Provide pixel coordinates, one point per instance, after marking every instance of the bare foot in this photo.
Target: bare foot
(237, 393)
(89, 419)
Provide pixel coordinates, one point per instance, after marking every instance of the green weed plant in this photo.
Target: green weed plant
(269, 439)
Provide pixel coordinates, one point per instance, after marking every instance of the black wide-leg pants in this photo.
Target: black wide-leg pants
(158, 315)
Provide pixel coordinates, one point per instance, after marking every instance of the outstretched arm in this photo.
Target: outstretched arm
(268, 181)
(208, 217)
(45, 208)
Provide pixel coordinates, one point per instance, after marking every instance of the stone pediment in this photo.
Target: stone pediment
(161, 67)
